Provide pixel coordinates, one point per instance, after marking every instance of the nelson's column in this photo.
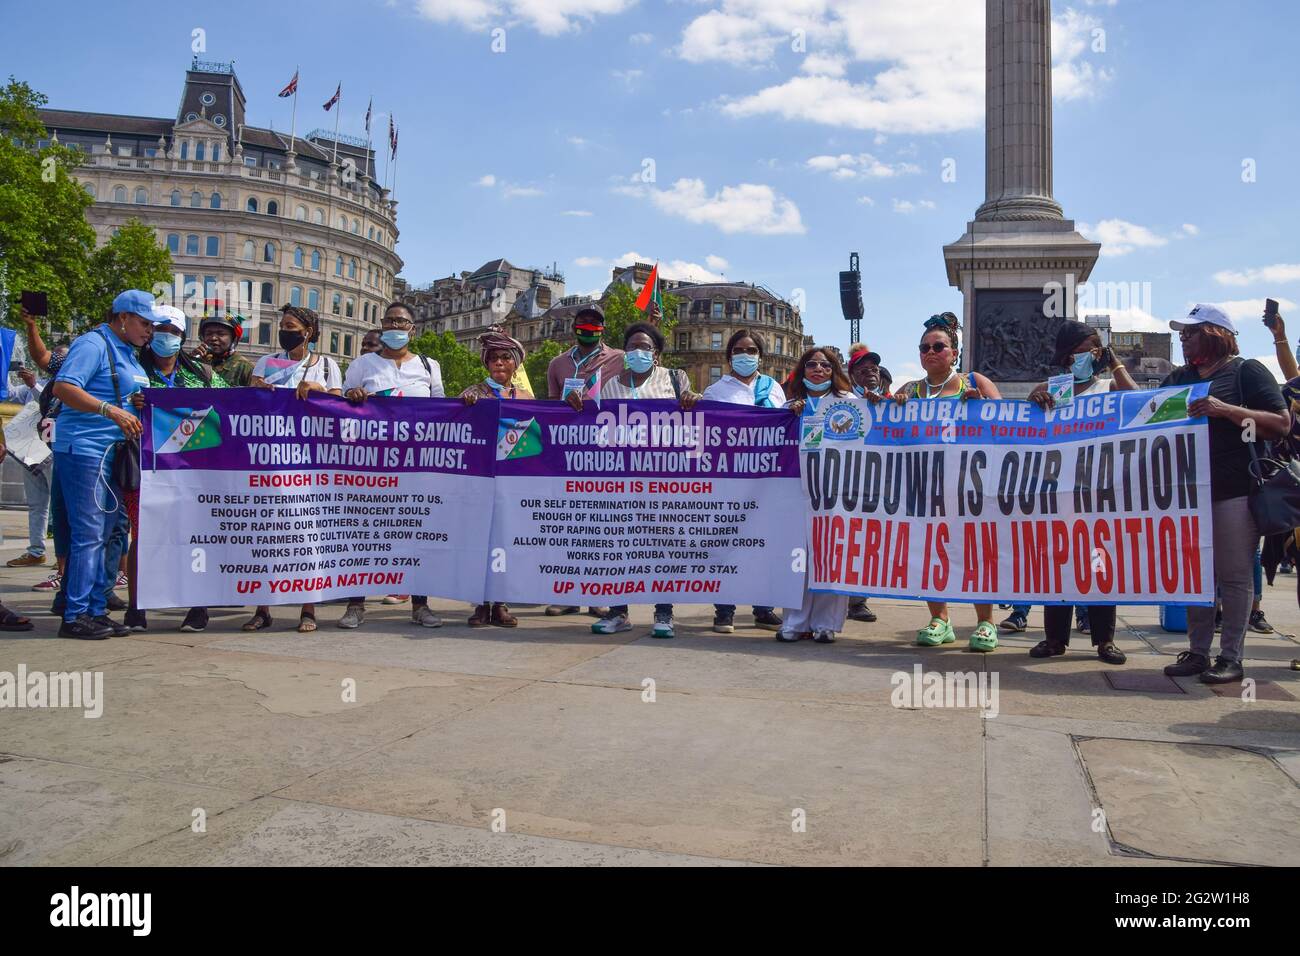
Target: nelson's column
(1020, 257)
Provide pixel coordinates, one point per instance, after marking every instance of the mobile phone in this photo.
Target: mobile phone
(1270, 312)
(35, 303)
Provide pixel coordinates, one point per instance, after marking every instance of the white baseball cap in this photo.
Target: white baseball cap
(1205, 315)
(170, 315)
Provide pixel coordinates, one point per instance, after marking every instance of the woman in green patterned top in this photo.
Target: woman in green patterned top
(167, 367)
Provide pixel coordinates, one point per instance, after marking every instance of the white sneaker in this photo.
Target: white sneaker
(354, 616)
(824, 636)
(612, 624)
(424, 617)
(787, 636)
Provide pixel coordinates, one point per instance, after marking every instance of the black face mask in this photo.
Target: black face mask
(290, 340)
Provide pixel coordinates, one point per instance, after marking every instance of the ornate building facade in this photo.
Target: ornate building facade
(468, 304)
(252, 221)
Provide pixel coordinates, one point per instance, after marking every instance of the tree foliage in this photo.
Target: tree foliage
(132, 259)
(461, 368)
(535, 365)
(620, 309)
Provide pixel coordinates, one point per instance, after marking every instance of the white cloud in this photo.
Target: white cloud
(641, 38)
(1190, 230)
(678, 268)
(514, 192)
(861, 165)
(749, 208)
(1131, 319)
(488, 180)
(1119, 238)
(821, 64)
(576, 212)
(627, 77)
(549, 17)
(587, 262)
(1271, 363)
(1281, 272)
(1072, 76)
(1244, 311)
(579, 142)
(866, 200)
(907, 207)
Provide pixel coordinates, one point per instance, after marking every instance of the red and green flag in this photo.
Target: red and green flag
(650, 293)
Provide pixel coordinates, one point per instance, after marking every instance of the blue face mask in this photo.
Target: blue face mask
(813, 387)
(744, 365)
(640, 360)
(1082, 366)
(164, 344)
(395, 338)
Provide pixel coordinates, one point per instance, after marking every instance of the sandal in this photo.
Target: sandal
(306, 622)
(984, 638)
(13, 622)
(260, 621)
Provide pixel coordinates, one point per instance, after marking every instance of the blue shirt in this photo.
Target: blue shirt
(87, 367)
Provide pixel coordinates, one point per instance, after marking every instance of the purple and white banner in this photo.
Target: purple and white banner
(639, 502)
(253, 496)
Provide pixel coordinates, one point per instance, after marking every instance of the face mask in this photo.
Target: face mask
(587, 338)
(640, 360)
(395, 338)
(814, 387)
(56, 362)
(744, 365)
(1082, 366)
(859, 390)
(165, 344)
(290, 340)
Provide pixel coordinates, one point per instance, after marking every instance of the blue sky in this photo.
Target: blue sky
(775, 152)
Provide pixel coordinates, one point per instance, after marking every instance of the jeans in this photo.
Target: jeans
(1259, 573)
(731, 609)
(620, 610)
(95, 517)
(58, 516)
(36, 485)
(1235, 542)
(1021, 609)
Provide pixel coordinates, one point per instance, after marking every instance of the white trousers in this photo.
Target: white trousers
(819, 612)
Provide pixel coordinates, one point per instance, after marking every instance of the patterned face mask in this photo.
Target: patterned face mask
(56, 362)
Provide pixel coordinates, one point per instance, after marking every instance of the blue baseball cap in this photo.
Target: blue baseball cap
(142, 304)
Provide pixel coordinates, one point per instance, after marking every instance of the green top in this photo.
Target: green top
(236, 371)
(184, 378)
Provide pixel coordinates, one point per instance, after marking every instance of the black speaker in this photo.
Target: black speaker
(851, 295)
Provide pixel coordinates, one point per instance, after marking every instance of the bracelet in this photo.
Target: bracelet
(103, 409)
(1280, 342)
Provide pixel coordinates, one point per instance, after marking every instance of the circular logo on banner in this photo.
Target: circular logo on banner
(844, 422)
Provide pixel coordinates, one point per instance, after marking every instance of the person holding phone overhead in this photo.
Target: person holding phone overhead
(299, 368)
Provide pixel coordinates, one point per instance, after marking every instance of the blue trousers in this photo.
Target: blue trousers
(95, 515)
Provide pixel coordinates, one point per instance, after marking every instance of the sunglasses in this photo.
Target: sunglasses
(826, 365)
(933, 347)
(752, 350)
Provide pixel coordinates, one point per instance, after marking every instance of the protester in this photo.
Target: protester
(745, 385)
(1241, 391)
(642, 377)
(817, 375)
(870, 381)
(1079, 350)
(589, 358)
(166, 366)
(219, 335)
(9, 621)
(36, 482)
(371, 342)
(394, 370)
(940, 354)
(299, 368)
(95, 384)
(502, 356)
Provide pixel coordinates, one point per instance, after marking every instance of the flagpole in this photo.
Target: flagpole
(369, 139)
(293, 123)
(338, 108)
(394, 172)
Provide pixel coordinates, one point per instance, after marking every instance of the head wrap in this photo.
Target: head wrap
(495, 339)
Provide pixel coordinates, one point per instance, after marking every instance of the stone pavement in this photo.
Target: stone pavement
(545, 730)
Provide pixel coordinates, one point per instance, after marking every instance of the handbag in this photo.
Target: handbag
(126, 451)
(1274, 496)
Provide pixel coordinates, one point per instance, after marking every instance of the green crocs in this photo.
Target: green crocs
(939, 632)
(984, 637)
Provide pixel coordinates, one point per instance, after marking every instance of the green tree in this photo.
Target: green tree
(461, 368)
(536, 363)
(620, 309)
(132, 259)
(45, 241)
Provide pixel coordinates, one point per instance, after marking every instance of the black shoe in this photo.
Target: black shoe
(136, 621)
(1224, 671)
(1258, 624)
(1111, 654)
(58, 607)
(1018, 622)
(115, 603)
(85, 628)
(117, 629)
(196, 620)
(724, 622)
(767, 621)
(1045, 648)
(1187, 665)
(860, 612)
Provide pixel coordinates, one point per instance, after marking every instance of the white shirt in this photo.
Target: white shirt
(324, 372)
(410, 379)
(1099, 387)
(733, 390)
(658, 385)
(24, 394)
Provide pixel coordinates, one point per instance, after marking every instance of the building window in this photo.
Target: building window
(264, 332)
(248, 249)
(751, 311)
(141, 197)
(352, 268)
(119, 194)
(356, 226)
(315, 260)
(196, 200)
(216, 147)
(297, 257)
(372, 233)
(318, 217)
(90, 189)
(272, 208)
(338, 266)
(209, 287)
(214, 201)
(173, 243)
(335, 303)
(715, 341)
(213, 246)
(351, 309)
(176, 197)
(268, 293)
(347, 345)
(185, 149)
(780, 345)
(715, 373)
(295, 295)
(268, 252)
(251, 205)
(313, 299)
(245, 294)
(207, 99)
(191, 245)
(334, 342)
(199, 151)
(343, 223)
(683, 341)
(717, 309)
(300, 214)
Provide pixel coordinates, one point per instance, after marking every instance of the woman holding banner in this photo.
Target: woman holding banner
(502, 356)
(295, 367)
(642, 377)
(1079, 349)
(166, 366)
(940, 352)
(745, 386)
(817, 375)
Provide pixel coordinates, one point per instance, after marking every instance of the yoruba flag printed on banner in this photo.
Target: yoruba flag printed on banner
(185, 429)
(518, 439)
(1152, 408)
